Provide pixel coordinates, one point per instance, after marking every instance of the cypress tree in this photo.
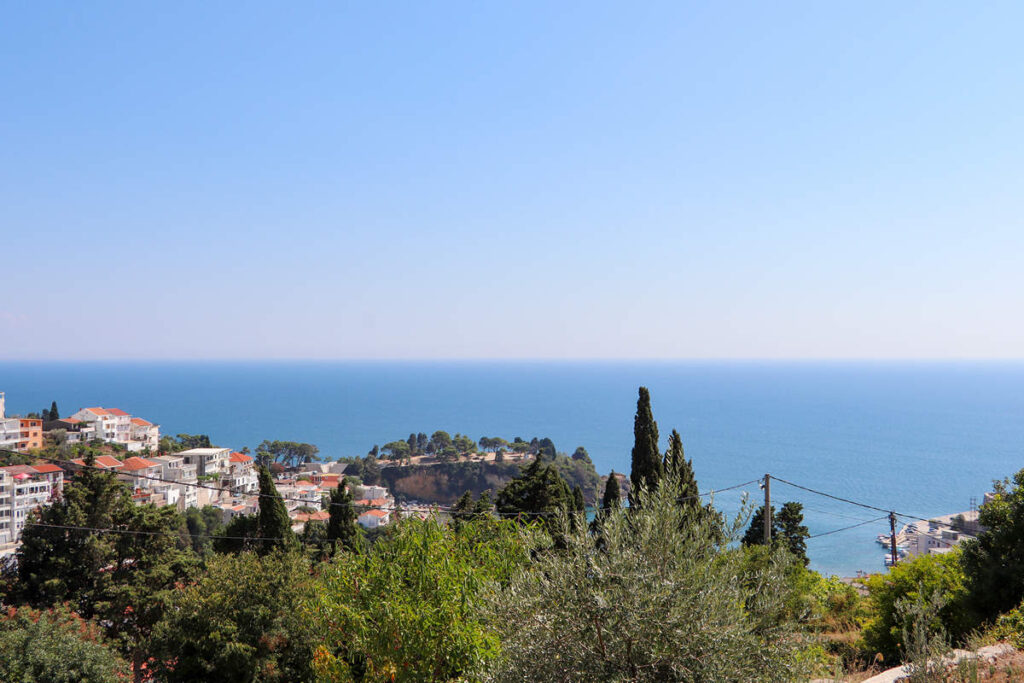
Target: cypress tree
(676, 462)
(54, 413)
(341, 527)
(646, 460)
(578, 503)
(612, 495)
(272, 520)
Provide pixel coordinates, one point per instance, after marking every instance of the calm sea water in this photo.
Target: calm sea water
(921, 438)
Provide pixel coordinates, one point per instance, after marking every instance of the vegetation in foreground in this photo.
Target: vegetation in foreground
(523, 589)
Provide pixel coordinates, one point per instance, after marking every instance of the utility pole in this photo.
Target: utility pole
(892, 538)
(767, 509)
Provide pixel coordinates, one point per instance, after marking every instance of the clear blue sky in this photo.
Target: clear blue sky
(499, 179)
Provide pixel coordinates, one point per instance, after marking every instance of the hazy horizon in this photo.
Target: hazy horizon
(671, 181)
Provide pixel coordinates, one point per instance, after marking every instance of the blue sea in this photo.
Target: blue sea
(921, 438)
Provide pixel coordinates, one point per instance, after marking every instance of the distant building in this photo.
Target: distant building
(22, 490)
(208, 461)
(113, 425)
(240, 476)
(184, 478)
(19, 433)
(371, 519)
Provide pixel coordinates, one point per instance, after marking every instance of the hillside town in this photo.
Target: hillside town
(216, 477)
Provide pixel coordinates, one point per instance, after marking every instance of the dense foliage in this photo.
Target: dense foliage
(662, 601)
(55, 646)
(407, 610)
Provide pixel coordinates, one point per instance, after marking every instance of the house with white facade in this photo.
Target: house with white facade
(184, 478)
(240, 476)
(116, 426)
(22, 490)
(140, 473)
(208, 461)
(371, 519)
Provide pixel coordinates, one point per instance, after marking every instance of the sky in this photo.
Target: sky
(511, 180)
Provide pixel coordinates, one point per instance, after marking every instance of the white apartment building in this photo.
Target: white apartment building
(116, 426)
(240, 476)
(207, 460)
(185, 478)
(22, 490)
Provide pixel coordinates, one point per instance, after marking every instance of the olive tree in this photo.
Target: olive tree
(665, 598)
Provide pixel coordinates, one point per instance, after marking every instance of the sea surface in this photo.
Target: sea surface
(920, 438)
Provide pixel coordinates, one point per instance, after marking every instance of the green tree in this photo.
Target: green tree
(994, 563)
(911, 581)
(788, 530)
(791, 530)
(188, 441)
(272, 520)
(397, 450)
(612, 498)
(203, 524)
(407, 610)
(581, 454)
(55, 646)
(646, 468)
(658, 604)
(123, 579)
(287, 453)
(342, 527)
(539, 494)
(242, 622)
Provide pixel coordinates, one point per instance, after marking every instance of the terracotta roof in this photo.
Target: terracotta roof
(135, 463)
(15, 470)
(321, 516)
(69, 420)
(109, 461)
(116, 411)
(97, 411)
(375, 513)
(240, 457)
(46, 468)
(140, 422)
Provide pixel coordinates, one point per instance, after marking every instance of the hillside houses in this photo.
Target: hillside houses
(112, 425)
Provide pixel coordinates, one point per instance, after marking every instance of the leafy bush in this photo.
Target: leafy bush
(55, 646)
(406, 610)
(911, 580)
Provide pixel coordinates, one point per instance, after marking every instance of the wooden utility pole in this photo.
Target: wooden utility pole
(892, 538)
(767, 509)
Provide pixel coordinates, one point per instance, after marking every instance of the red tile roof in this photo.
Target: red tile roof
(46, 468)
(104, 462)
(135, 463)
(140, 422)
(69, 420)
(240, 457)
(97, 411)
(117, 411)
(374, 513)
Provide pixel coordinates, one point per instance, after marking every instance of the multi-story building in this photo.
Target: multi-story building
(76, 431)
(22, 490)
(208, 461)
(145, 433)
(240, 476)
(139, 473)
(19, 433)
(116, 426)
(184, 478)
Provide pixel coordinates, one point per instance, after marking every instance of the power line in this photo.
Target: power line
(829, 495)
(847, 528)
